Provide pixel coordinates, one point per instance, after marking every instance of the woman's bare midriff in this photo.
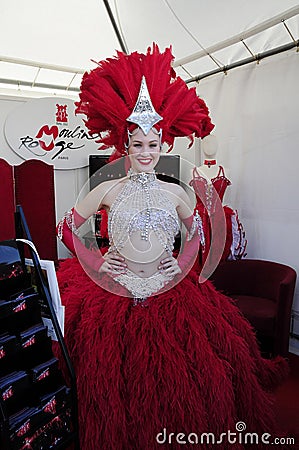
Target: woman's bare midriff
(143, 256)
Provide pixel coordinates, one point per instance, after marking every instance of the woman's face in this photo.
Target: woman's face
(144, 151)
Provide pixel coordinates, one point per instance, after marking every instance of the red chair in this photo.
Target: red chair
(264, 292)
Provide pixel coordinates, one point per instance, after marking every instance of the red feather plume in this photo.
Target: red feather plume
(110, 91)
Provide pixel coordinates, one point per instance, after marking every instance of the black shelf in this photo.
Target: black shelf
(49, 402)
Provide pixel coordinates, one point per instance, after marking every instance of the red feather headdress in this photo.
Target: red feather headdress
(110, 91)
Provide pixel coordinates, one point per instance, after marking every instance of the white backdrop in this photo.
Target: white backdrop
(255, 109)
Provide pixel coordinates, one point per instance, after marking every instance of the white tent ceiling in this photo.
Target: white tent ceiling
(37, 37)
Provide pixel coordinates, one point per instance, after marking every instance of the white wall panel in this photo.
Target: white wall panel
(255, 109)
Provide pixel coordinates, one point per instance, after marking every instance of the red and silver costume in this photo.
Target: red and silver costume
(155, 355)
(207, 193)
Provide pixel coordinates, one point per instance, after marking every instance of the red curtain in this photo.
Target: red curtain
(7, 201)
(34, 191)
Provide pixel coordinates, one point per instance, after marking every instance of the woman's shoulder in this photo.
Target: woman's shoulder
(172, 187)
(177, 193)
(101, 195)
(107, 185)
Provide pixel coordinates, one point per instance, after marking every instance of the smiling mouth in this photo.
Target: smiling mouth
(145, 161)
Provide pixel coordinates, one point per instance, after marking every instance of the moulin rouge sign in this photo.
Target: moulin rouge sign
(48, 129)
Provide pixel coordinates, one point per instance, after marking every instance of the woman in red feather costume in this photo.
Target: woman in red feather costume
(160, 356)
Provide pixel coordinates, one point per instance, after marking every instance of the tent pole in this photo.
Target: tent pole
(114, 24)
(27, 62)
(224, 69)
(239, 37)
(255, 58)
(23, 83)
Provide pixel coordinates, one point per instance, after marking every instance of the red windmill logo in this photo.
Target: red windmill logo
(61, 114)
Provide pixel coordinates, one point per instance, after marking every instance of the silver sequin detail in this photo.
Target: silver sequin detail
(144, 114)
(143, 205)
(197, 226)
(142, 288)
(68, 218)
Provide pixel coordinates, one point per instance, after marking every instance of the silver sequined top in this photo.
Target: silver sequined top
(143, 205)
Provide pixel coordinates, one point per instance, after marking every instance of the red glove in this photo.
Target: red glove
(66, 231)
(194, 238)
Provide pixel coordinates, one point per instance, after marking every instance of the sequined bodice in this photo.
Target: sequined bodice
(206, 190)
(143, 206)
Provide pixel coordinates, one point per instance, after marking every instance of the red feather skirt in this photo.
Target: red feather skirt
(184, 364)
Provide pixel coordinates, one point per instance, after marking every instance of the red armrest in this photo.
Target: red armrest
(258, 278)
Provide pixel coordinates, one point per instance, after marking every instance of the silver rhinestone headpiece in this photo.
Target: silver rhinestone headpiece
(144, 114)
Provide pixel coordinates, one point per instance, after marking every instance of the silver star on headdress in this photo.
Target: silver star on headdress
(144, 114)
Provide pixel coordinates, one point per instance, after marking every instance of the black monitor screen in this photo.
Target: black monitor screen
(167, 169)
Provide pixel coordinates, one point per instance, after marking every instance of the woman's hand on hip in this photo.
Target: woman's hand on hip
(169, 266)
(114, 264)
